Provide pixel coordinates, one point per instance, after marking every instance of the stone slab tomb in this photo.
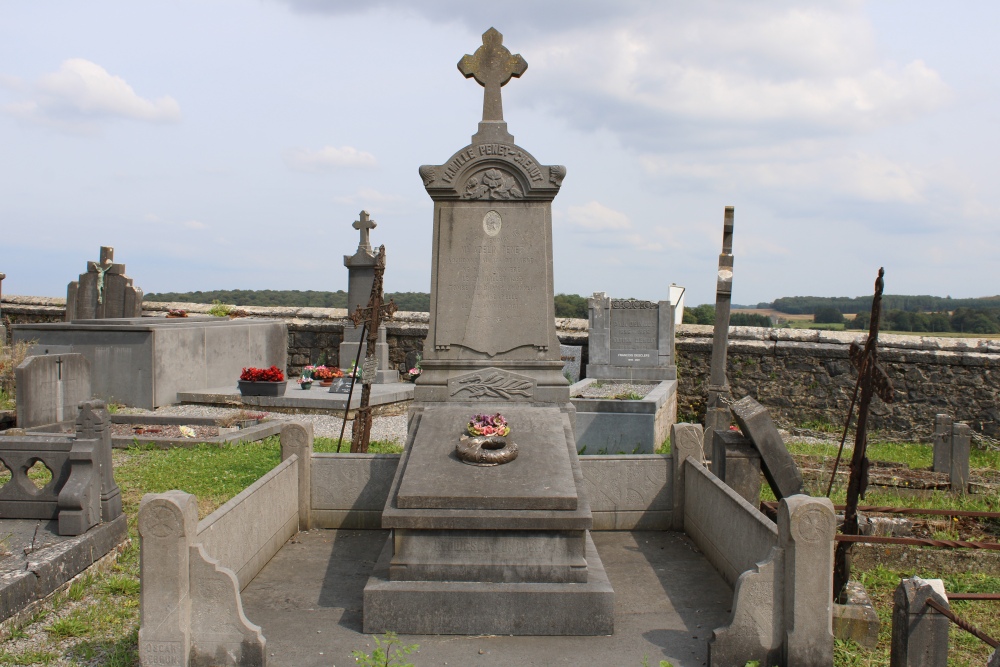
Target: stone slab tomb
(103, 291)
(490, 550)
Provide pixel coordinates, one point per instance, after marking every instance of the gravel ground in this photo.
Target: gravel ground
(609, 389)
(385, 429)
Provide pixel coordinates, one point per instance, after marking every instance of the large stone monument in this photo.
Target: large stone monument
(360, 275)
(502, 549)
(630, 339)
(104, 291)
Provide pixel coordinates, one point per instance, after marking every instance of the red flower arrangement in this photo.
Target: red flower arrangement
(324, 373)
(272, 374)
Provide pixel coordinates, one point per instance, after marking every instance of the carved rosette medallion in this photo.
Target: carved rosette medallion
(811, 524)
(160, 521)
(492, 184)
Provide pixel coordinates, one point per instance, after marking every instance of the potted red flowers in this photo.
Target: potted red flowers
(326, 375)
(262, 382)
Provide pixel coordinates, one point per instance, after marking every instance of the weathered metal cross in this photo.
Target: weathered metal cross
(492, 65)
(105, 266)
(872, 379)
(365, 224)
(372, 316)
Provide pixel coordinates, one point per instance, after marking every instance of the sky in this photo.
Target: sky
(231, 144)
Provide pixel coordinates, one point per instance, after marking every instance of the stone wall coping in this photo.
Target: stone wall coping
(416, 323)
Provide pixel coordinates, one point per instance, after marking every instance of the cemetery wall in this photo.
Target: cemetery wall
(799, 375)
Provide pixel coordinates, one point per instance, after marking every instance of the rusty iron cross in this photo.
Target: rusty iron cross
(872, 380)
(492, 65)
(372, 316)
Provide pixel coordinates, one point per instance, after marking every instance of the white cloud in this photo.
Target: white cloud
(596, 217)
(327, 158)
(613, 228)
(81, 91)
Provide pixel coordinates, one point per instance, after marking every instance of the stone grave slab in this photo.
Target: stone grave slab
(540, 478)
(755, 423)
(50, 387)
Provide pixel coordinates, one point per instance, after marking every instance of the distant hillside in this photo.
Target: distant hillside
(807, 305)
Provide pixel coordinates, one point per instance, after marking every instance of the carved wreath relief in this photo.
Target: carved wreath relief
(492, 384)
(492, 184)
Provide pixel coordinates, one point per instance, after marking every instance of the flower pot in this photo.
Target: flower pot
(326, 383)
(248, 388)
(305, 385)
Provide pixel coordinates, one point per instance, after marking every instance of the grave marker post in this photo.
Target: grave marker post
(716, 407)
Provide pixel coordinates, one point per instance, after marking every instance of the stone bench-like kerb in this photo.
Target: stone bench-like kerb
(82, 491)
(782, 575)
(193, 572)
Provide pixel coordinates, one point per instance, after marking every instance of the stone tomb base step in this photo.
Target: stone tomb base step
(475, 608)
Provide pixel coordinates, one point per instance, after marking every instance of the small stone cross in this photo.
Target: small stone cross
(364, 225)
(492, 65)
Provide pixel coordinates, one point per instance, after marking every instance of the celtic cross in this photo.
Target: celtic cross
(492, 65)
(364, 225)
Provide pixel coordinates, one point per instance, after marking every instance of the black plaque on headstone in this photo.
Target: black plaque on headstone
(341, 386)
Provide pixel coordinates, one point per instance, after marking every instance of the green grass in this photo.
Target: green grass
(27, 658)
(374, 447)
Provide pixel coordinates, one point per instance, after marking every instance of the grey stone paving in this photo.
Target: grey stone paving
(668, 599)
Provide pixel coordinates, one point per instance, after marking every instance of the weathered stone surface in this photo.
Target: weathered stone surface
(104, 291)
(961, 437)
(167, 524)
(609, 426)
(685, 442)
(782, 474)
(144, 363)
(572, 358)
(50, 387)
(806, 527)
(297, 439)
(221, 635)
(631, 339)
(732, 533)
(755, 626)
(857, 620)
(248, 530)
(473, 608)
(919, 632)
(942, 443)
(629, 492)
(540, 478)
(736, 462)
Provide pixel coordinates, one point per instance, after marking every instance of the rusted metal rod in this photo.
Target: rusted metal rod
(965, 625)
(878, 509)
(918, 542)
(974, 596)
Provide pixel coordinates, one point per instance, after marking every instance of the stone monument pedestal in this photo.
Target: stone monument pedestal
(349, 352)
(504, 549)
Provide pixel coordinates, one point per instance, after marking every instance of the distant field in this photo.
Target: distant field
(805, 321)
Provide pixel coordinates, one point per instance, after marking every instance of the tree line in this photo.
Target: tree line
(807, 305)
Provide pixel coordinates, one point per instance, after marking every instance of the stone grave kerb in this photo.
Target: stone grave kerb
(491, 277)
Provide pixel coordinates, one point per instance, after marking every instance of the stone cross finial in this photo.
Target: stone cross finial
(492, 65)
(365, 225)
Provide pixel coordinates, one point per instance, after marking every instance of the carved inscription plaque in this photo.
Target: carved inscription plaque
(492, 283)
(634, 332)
